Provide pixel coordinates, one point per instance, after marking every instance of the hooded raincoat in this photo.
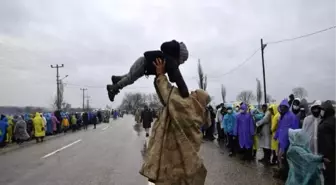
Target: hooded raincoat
(265, 134)
(10, 129)
(244, 128)
(3, 129)
(54, 121)
(50, 129)
(73, 120)
(303, 164)
(20, 130)
(229, 122)
(274, 126)
(286, 121)
(310, 125)
(39, 129)
(172, 154)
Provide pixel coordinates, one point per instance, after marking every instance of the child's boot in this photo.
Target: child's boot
(112, 91)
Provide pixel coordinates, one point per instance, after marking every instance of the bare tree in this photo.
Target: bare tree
(61, 97)
(259, 92)
(154, 101)
(202, 83)
(246, 96)
(133, 101)
(300, 92)
(223, 91)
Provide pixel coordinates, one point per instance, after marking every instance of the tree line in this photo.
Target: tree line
(136, 100)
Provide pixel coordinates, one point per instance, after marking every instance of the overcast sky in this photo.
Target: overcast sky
(97, 38)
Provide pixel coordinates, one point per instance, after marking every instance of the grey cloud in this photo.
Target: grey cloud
(95, 39)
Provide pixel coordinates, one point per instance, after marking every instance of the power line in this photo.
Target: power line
(240, 65)
(302, 36)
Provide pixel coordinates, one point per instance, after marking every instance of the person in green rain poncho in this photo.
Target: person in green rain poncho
(73, 121)
(10, 129)
(304, 166)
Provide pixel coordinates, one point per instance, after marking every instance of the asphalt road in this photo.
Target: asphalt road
(110, 155)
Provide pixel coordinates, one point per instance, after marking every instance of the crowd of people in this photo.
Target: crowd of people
(299, 140)
(21, 128)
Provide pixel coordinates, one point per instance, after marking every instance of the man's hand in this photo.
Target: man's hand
(160, 66)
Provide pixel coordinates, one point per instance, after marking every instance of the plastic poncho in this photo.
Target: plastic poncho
(257, 116)
(173, 149)
(274, 126)
(54, 121)
(3, 128)
(20, 129)
(73, 120)
(65, 122)
(49, 123)
(303, 164)
(286, 121)
(10, 129)
(244, 128)
(39, 129)
(310, 126)
(229, 122)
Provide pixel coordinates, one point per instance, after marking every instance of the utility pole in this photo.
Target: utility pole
(57, 83)
(263, 46)
(83, 89)
(88, 103)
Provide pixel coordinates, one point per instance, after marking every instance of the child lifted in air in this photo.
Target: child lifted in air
(173, 52)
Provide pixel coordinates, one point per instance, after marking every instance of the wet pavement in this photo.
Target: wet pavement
(111, 155)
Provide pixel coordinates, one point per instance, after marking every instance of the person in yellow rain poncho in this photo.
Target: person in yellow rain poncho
(255, 137)
(65, 124)
(172, 154)
(10, 129)
(274, 143)
(39, 128)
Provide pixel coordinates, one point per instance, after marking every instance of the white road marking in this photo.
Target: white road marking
(149, 183)
(58, 150)
(105, 127)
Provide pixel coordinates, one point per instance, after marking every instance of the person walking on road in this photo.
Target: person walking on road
(55, 122)
(172, 155)
(20, 130)
(94, 120)
(146, 119)
(3, 130)
(85, 120)
(39, 128)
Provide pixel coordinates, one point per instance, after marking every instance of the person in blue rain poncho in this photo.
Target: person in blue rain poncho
(49, 127)
(303, 164)
(3, 130)
(228, 124)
